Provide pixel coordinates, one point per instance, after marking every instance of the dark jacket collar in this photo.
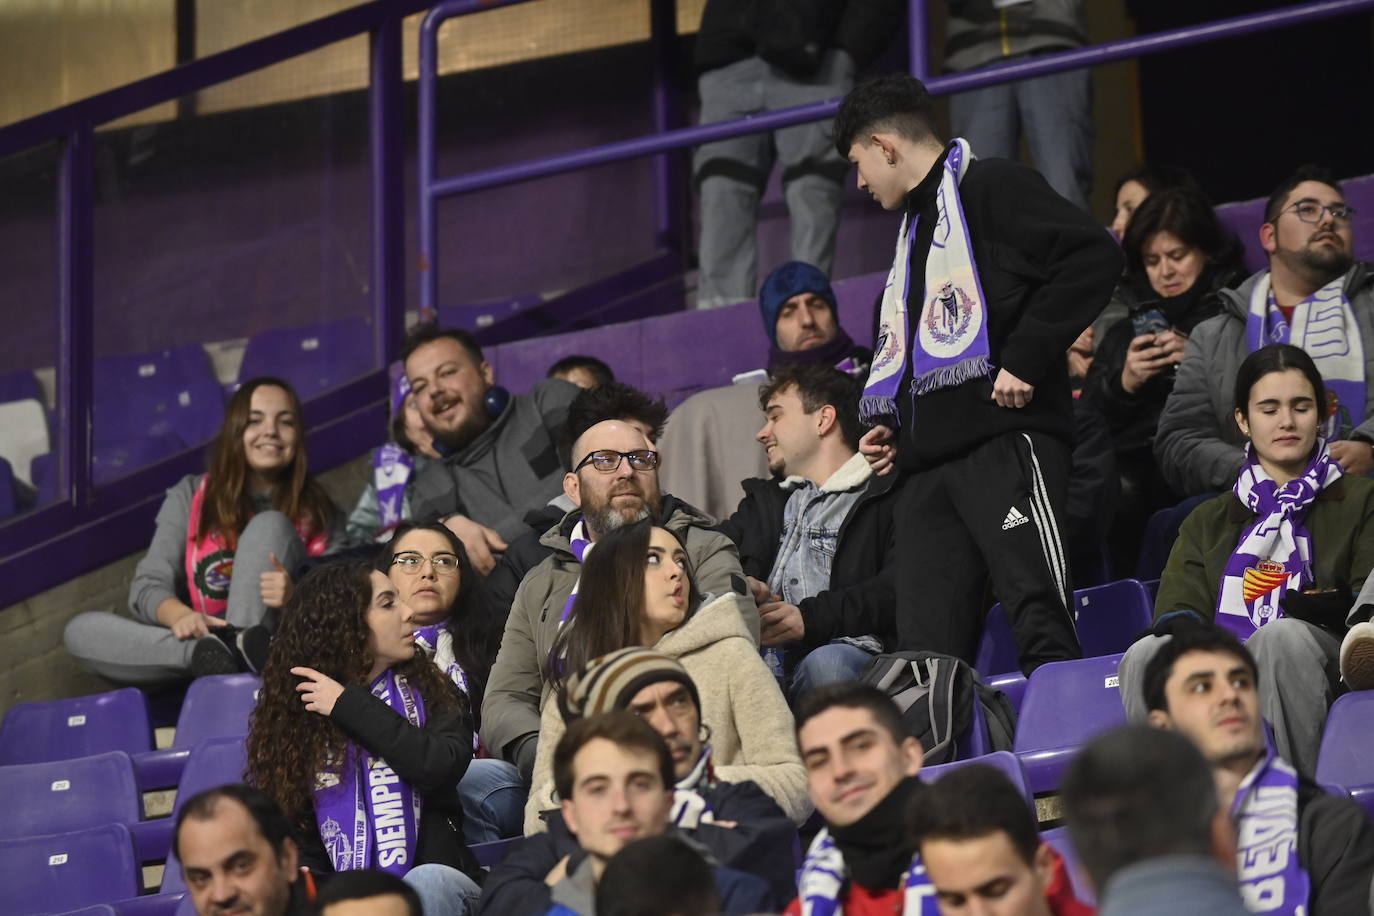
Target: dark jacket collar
(924, 193)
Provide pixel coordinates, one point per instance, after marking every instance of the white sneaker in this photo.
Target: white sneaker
(1357, 657)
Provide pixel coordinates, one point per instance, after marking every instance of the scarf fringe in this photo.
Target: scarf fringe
(877, 407)
(950, 376)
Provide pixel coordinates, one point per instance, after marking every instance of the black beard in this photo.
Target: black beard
(1328, 264)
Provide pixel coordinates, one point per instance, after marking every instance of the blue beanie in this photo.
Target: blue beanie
(788, 280)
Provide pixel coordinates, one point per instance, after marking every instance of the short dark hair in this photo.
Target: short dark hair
(1157, 177)
(1138, 793)
(1309, 172)
(1204, 638)
(615, 401)
(970, 802)
(896, 103)
(1186, 214)
(597, 369)
(362, 883)
(265, 812)
(1277, 358)
(817, 386)
(423, 334)
(620, 727)
(657, 876)
(854, 695)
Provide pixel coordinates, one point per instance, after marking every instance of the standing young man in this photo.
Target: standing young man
(994, 277)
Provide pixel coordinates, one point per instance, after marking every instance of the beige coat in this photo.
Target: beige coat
(751, 726)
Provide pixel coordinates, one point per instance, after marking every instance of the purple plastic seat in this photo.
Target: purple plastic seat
(1013, 684)
(1109, 618)
(79, 727)
(1066, 705)
(9, 497)
(489, 855)
(216, 706)
(1059, 838)
(43, 473)
(312, 359)
(1004, 762)
(19, 386)
(213, 762)
(64, 795)
(1344, 758)
(65, 871)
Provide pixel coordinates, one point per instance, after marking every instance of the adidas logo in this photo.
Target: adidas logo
(1014, 518)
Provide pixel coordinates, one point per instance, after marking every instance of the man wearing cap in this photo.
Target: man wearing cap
(708, 447)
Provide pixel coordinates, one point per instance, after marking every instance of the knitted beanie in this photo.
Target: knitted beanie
(400, 388)
(788, 280)
(611, 681)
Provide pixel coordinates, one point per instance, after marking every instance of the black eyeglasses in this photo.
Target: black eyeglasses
(1309, 211)
(607, 460)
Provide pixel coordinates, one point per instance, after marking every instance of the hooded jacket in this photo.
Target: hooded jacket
(510, 706)
(1198, 445)
(751, 726)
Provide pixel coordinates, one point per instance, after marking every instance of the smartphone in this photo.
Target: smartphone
(1149, 321)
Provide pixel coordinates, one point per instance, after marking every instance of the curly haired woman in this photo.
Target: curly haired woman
(361, 739)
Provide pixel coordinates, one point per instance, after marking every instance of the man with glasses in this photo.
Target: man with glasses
(1314, 295)
(613, 482)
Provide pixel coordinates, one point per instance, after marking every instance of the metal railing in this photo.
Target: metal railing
(82, 528)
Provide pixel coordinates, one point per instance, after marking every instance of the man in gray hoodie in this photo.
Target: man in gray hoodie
(1314, 295)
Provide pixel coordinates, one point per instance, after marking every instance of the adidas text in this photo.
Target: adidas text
(1014, 518)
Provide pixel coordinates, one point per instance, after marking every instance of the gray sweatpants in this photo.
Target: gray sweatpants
(1297, 664)
(134, 652)
(732, 174)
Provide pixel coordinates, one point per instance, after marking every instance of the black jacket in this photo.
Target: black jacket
(1336, 847)
(860, 599)
(791, 33)
(1047, 270)
(431, 759)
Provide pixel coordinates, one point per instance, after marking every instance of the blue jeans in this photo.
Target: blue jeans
(444, 890)
(493, 800)
(833, 663)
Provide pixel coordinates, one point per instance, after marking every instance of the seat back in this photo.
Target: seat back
(1344, 759)
(65, 871)
(215, 706)
(1062, 842)
(312, 359)
(65, 795)
(1004, 762)
(1109, 618)
(78, 727)
(1066, 704)
(213, 762)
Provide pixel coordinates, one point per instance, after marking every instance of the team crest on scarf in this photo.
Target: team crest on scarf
(213, 572)
(335, 841)
(949, 317)
(1263, 578)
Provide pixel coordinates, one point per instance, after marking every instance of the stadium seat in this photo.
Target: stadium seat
(1344, 758)
(1011, 683)
(1059, 838)
(9, 496)
(64, 795)
(489, 855)
(79, 727)
(214, 706)
(65, 871)
(1109, 618)
(213, 762)
(19, 386)
(312, 359)
(1002, 761)
(1066, 704)
(43, 474)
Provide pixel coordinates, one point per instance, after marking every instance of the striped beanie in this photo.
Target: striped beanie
(611, 681)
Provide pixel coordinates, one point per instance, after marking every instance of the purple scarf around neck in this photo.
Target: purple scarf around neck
(391, 472)
(831, 352)
(368, 816)
(1265, 812)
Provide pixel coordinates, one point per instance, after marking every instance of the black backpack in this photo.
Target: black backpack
(936, 694)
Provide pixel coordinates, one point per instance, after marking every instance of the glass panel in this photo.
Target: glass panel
(228, 245)
(28, 313)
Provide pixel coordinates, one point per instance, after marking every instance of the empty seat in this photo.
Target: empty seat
(213, 762)
(1109, 618)
(64, 871)
(1059, 838)
(79, 727)
(65, 795)
(312, 359)
(1344, 758)
(216, 706)
(1066, 705)
(1002, 761)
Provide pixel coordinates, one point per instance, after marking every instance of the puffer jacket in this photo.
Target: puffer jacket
(510, 706)
(751, 726)
(1198, 445)
(979, 34)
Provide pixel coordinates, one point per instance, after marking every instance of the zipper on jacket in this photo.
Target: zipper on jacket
(1006, 38)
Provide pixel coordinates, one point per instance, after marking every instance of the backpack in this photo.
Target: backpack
(935, 694)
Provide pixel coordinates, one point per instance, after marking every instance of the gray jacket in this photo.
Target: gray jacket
(1198, 446)
(978, 34)
(514, 466)
(1180, 885)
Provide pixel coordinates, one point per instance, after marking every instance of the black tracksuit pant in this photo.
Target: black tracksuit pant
(992, 513)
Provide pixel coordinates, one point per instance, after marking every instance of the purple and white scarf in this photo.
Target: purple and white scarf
(1274, 554)
(436, 641)
(579, 543)
(950, 345)
(391, 472)
(823, 876)
(1324, 326)
(368, 816)
(1265, 812)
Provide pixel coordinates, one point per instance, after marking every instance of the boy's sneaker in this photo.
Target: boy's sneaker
(1357, 657)
(211, 655)
(253, 644)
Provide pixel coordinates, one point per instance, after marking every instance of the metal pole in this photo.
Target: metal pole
(76, 313)
(916, 27)
(388, 206)
(668, 204)
(429, 65)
